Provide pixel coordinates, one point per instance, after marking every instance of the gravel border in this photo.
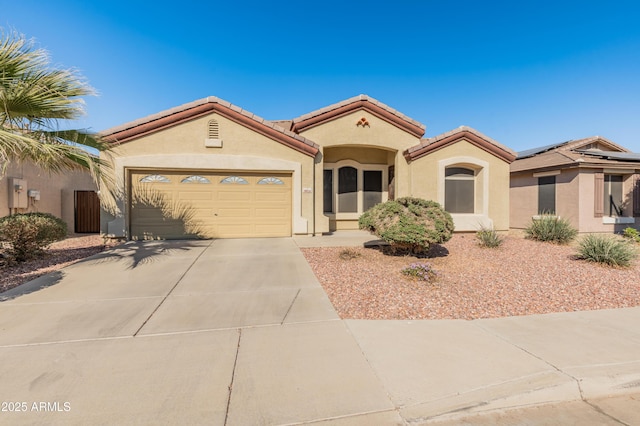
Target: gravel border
(521, 277)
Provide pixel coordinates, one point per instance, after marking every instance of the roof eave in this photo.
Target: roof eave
(423, 149)
(161, 121)
(311, 120)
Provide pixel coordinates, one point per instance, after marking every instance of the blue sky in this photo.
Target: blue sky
(526, 73)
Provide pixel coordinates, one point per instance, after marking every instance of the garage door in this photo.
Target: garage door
(170, 204)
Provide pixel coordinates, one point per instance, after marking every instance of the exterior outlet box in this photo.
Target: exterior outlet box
(213, 143)
(18, 194)
(34, 194)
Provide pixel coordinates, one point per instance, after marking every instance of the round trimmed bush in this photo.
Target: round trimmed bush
(409, 224)
(28, 234)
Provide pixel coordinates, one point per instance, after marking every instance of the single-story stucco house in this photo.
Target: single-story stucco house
(593, 182)
(71, 196)
(211, 169)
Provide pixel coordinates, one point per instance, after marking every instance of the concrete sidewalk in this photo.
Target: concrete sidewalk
(240, 332)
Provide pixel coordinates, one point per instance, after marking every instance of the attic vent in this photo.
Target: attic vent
(213, 130)
(213, 135)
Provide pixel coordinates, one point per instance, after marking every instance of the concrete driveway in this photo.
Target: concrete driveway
(240, 332)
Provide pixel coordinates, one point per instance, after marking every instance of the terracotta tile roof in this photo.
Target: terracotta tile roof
(569, 154)
(347, 106)
(191, 110)
(473, 136)
(285, 124)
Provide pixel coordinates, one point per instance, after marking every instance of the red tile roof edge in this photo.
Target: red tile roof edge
(155, 122)
(365, 102)
(475, 137)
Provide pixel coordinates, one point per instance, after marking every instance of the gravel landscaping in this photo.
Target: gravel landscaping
(58, 256)
(521, 277)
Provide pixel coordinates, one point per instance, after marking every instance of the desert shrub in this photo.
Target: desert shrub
(488, 237)
(632, 234)
(409, 224)
(607, 249)
(420, 271)
(349, 253)
(551, 228)
(28, 234)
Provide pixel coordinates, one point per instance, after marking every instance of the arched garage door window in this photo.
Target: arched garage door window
(459, 190)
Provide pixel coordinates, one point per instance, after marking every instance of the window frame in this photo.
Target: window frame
(609, 206)
(542, 187)
(361, 168)
(471, 177)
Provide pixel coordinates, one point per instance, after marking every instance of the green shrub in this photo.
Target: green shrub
(409, 224)
(607, 249)
(551, 228)
(488, 237)
(420, 271)
(28, 234)
(632, 234)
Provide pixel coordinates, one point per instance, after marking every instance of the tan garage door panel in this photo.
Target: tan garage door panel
(169, 204)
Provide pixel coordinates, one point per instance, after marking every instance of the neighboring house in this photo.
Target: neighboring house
(592, 182)
(69, 195)
(212, 169)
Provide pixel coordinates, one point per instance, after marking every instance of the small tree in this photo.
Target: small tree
(409, 224)
(38, 103)
(28, 234)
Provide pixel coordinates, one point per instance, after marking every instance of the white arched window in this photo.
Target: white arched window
(459, 189)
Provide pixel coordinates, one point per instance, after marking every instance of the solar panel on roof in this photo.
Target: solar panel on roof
(614, 155)
(534, 151)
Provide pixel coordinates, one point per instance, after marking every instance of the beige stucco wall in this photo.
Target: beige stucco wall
(183, 147)
(492, 183)
(524, 197)
(56, 190)
(345, 131)
(567, 196)
(364, 155)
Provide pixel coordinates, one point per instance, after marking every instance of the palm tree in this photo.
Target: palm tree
(36, 101)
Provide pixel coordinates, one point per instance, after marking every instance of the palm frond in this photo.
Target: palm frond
(35, 102)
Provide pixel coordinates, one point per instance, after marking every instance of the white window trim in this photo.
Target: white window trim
(361, 168)
(606, 220)
(464, 161)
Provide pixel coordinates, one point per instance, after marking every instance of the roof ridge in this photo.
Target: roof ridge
(200, 102)
(353, 99)
(460, 129)
(196, 108)
(476, 137)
